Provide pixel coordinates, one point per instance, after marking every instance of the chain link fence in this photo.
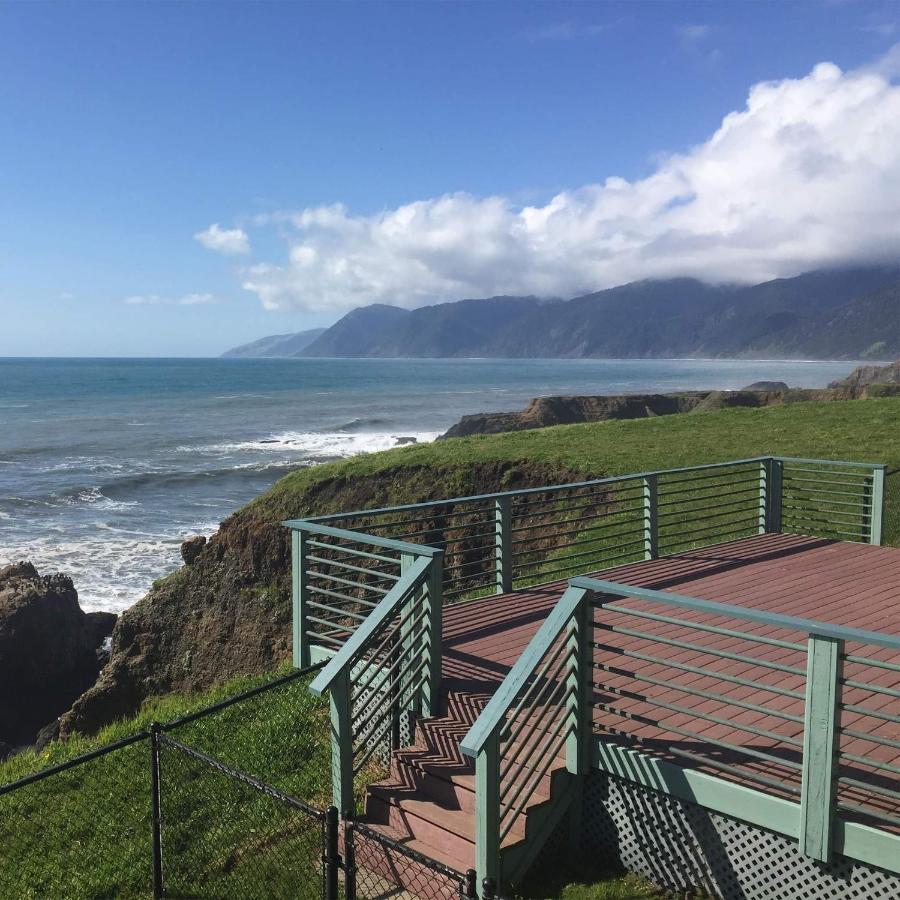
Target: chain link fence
(230, 802)
(378, 867)
(223, 833)
(80, 829)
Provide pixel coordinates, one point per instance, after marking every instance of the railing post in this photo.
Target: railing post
(578, 640)
(406, 700)
(470, 886)
(342, 743)
(301, 654)
(876, 504)
(432, 688)
(770, 490)
(651, 516)
(489, 889)
(823, 672)
(156, 813)
(503, 543)
(577, 741)
(487, 808)
(332, 857)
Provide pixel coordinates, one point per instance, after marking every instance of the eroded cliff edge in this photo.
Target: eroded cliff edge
(228, 610)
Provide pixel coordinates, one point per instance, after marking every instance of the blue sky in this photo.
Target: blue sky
(128, 130)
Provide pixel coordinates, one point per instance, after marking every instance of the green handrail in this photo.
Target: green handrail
(795, 623)
(483, 740)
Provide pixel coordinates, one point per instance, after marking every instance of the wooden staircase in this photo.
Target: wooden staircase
(428, 802)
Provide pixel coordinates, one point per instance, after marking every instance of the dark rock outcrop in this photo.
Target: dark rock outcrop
(865, 376)
(766, 386)
(192, 548)
(48, 650)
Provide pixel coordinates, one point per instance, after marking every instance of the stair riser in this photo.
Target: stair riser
(457, 847)
(445, 792)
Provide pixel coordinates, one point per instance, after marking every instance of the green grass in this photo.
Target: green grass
(862, 430)
(85, 832)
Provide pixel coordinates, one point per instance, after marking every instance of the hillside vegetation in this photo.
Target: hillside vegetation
(229, 611)
(849, 313)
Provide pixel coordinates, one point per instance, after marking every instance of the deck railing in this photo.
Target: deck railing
(346, 563)
(533, 725)
(387, 673)
(796, 708)
(369, 587)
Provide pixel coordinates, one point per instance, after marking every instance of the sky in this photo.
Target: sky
(178, 178)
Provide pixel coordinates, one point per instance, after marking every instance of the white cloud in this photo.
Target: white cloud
(157, 300)
(564, 31)
(693, 33)
(806, 174)
(231, 241)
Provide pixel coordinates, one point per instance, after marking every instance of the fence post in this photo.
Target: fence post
(503, 543)
(332, 857)
(301, 655)
(470, 886)
(651, 516)
(770, 495)
(155, 814)
(341, 742)
(432, 687)
(488, 889)
(349, 858)
(487, 808)
(876, 504)
(823, 672)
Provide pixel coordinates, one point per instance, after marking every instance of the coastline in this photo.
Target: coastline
(109, 466)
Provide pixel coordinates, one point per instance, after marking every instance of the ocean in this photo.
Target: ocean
(107, 465)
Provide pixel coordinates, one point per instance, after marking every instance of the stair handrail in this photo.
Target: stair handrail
(483, 740)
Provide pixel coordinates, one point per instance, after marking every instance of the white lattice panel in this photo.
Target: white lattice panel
(681, 846)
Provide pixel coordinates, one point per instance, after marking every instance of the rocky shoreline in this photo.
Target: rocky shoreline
(543, 412)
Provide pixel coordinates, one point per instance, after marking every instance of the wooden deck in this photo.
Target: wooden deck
(841, 583)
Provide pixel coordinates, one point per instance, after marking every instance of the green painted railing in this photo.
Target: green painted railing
(345, 564)
(533, 726)
(385, 675)
(798, 709)
(369, 586)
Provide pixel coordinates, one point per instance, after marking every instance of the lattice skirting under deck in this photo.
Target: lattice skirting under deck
(682, 846)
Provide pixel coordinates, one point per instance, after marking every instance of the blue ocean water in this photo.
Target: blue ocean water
(106, 465)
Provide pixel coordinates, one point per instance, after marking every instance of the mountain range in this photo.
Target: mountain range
(276, 345)
(849, 313)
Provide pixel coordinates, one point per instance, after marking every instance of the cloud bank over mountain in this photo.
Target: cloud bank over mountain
(807, 174)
